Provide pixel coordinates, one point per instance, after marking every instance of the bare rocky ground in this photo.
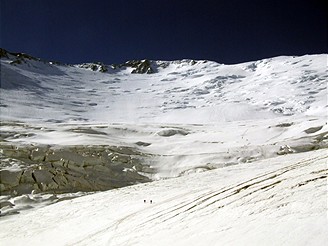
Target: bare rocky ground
(32, 176)
(70, 169)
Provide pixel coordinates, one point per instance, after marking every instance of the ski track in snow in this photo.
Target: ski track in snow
(222, 204)
(213, 131)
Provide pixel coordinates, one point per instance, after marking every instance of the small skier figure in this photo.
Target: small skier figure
(151, 201)
(144, 201)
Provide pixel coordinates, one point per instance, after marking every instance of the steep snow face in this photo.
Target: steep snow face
(174, 92)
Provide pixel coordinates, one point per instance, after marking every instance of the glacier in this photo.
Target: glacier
(228, 154)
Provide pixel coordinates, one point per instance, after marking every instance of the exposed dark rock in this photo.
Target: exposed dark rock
(285, 124)
(10, 178)
(305, 147)
(98, 66)
(284, 150)
(6, 204)
(139, 66)
(71, 169)
(23, 56)
(38, 154)
(20, 58)
(27, 177)
(24, 188)
(3, 53)
(313, 129)
(172, 132)
(140, 143)
(43, 176)
(17, 58)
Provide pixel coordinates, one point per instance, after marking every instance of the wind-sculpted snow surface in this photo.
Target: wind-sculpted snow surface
(237, 153)
(280, 201)
(176, 92)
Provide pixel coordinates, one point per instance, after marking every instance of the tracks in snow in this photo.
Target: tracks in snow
(206, 201)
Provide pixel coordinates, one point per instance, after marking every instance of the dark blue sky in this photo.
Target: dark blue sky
(113, 31)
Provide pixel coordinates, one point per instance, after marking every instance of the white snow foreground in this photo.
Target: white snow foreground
(279, 201)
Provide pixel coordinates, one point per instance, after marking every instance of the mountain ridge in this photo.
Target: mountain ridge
(185, 90)
(141, 66)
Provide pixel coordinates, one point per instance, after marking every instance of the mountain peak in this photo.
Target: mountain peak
(18, 58)
(140, 66)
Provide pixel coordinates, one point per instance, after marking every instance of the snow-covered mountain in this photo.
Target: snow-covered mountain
(183, 91)
(237, 153)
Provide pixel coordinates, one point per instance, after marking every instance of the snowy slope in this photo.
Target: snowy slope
(281, 201)
(237, 153)
(242, 109)
(178, 92)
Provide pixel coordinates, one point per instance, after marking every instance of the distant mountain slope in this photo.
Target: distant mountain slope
(185, 91)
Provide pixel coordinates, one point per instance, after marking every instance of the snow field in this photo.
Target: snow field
(251, 204)
(239, 151)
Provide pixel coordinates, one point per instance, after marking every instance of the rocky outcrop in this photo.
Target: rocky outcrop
(3, 53)
(17, 58)
(71, 169)
(305, 144)
(98, 66)
(10, 178)
(313, 129)
(20, 58)
(284, 150)
(172, 132)
(139, 66)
